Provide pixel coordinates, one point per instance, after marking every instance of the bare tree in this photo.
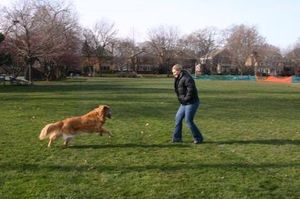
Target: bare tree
(88, 50)
(126, 53)
(104, 35)
(294, 57)
(16, 38)
(43, 31)
(241, 42)
(200, 42)
(265, 56)
(1, 37)
(123, 52)
(6, 59)
(294, 52)
(60, 41)
(99, 42)
(163, 42)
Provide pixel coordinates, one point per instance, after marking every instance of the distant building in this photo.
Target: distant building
(274, 65)
(216, 62)
(93, 65)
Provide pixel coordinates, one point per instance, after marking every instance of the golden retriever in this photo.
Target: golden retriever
(91, 122)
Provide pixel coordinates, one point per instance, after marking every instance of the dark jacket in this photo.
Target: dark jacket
(185, 88)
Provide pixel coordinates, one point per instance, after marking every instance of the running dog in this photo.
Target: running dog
(91, 122)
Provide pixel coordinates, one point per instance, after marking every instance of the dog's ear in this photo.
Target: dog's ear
(104, 106)
(100, 109)
(104, 111)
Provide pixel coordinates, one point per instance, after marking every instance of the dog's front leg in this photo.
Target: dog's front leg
(103, 130)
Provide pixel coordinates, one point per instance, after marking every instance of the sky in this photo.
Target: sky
(278, 21)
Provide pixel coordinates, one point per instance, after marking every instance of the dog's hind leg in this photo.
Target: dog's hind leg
(50, 142)
(53, 137)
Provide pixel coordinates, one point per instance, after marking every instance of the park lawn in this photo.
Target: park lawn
(251, 148)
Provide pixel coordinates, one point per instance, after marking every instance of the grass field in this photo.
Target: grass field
(251, 149)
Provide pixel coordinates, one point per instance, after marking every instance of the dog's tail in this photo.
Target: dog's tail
(49, 129)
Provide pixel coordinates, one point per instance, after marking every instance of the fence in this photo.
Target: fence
(291, 79)
(226, 77)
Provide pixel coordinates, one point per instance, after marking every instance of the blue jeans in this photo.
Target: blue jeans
(188, 112)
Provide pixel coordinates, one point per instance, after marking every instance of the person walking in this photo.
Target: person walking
(187, 95)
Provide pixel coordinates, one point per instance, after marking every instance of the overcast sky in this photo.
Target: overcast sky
(276, 20)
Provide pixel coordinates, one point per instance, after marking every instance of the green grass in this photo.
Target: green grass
(251, 149)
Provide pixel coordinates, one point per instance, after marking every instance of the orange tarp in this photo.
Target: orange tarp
(278, 79)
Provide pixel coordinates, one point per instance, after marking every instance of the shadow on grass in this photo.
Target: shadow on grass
(128, 145)
(270, 141)
(98, 87)
(143, 168)
(182, 145)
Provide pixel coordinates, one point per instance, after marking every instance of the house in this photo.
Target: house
(146, 63)
(188, 61)
(216, 62)
(269, 65)
(94, 65)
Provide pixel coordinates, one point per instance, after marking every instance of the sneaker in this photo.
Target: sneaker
(197, 142)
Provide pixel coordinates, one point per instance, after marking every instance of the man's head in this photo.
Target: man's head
(176, 69)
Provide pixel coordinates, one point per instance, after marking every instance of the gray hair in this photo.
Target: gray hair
(177, 67)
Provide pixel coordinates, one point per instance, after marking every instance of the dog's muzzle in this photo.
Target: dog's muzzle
(108, 114)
